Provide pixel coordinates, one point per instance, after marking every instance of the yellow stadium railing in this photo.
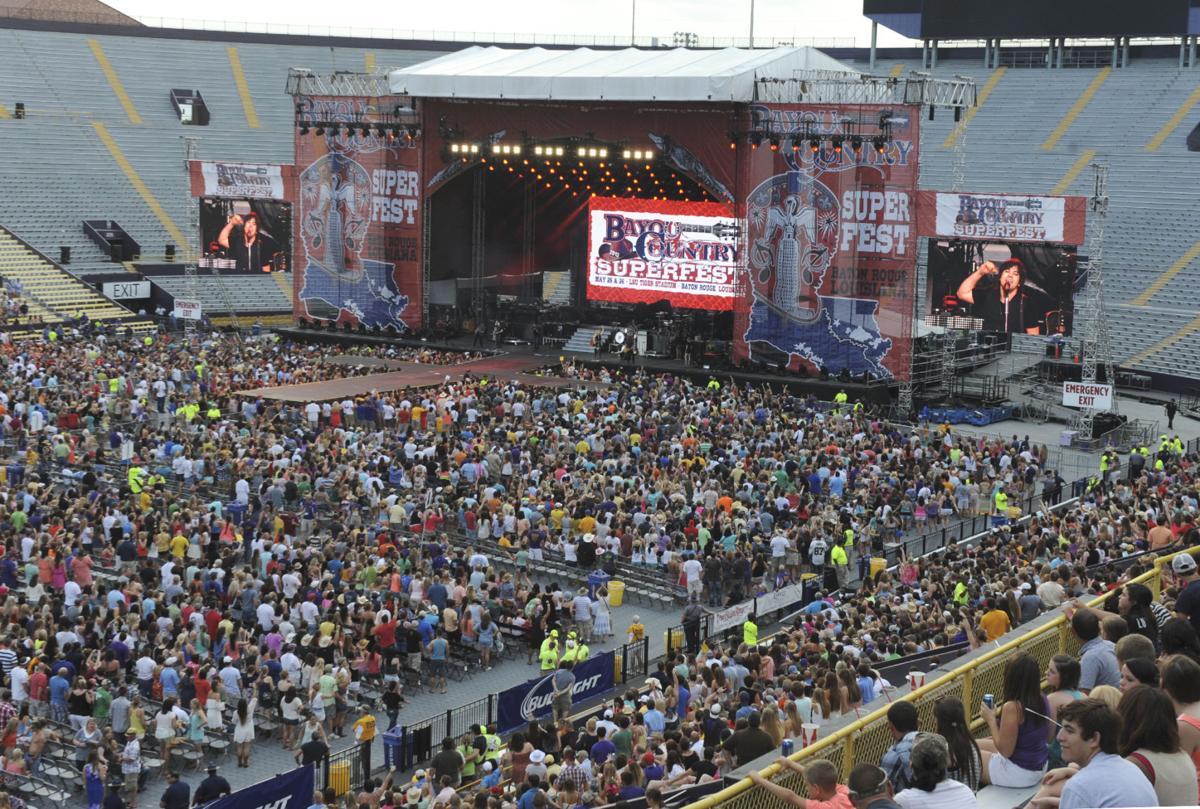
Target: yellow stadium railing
(867, 739)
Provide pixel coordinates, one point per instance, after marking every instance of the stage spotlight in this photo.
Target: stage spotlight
(454, 148)
(474, 148)
(558, 151)
(365, 130)
(880, 144)
(626, 154)
(755, 140)
(591, 152)
(837, 145)
(604, 152)
(856, 144)
(495, 148)
(814, 145)
(795, 146)
(774, 143)
(413, 130)
(303, 129)
(581, 152)
(320, 130)
(732, 141)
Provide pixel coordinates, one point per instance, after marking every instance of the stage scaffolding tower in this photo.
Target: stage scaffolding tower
(1090, 322)
(191, 255)
(478, 229)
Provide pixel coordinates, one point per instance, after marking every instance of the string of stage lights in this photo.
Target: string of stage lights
(594, 179)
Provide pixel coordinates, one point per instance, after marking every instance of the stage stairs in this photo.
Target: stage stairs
(581, 340)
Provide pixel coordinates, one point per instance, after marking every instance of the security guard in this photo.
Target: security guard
(495, 744)
(713, 384)
(1001, 502)
(548, 655)
(576, 652)
(136, 477)
(214, 412)
(841, 563)
(840, 398)
(750, 632)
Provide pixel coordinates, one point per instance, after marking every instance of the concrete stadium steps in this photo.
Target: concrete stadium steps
(52, 287)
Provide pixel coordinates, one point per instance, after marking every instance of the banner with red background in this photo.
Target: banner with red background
(831, 242)
(647, 250)
(357, 254)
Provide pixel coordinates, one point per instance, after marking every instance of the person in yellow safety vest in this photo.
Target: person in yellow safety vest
(548, 654)
(839, 399)
(214, 412)
(147, 341)
(1177, 445)
(713, 384)
(1164, 443)
(495, 744)
(750, 632)
(841, 563)
(53, 335)
(858, 407)
(960, 593)
(1159, 465)
(136, 477)
(1001, 502)
(576, 652)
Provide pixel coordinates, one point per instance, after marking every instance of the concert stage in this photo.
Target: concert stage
(517, 363)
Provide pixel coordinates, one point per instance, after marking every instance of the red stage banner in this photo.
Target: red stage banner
(831, 248)
(358, 224)
(645, 251)
(1001, 217)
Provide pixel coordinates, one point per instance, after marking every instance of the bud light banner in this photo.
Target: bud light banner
(831, 247)
(292, 790)
(533, 699)
(645, 251)
(357, 254)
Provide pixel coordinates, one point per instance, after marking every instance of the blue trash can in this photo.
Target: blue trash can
(596, 580)
(237, 511)
(393, 742)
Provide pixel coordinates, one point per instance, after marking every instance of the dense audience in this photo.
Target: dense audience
(210, 562)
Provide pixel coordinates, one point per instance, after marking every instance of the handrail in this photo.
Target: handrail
(846, 737)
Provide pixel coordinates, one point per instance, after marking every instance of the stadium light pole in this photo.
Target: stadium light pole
(751, 24)
(633, 24)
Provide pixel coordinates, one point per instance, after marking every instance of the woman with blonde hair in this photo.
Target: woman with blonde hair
(772, 725)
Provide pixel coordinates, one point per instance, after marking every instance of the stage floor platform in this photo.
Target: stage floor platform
(513, 367)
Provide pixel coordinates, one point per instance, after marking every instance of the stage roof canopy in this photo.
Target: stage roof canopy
(618, 75)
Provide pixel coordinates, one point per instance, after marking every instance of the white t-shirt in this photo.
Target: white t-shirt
(779, 546)
(693, 569)
(949, 794)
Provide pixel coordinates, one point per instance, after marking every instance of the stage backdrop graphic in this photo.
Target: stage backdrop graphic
(645, 251)
(358, 224)
(831, 247)
(291, 790)
(534, 698)
(1002, 217)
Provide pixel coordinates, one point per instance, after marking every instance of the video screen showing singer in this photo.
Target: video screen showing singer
(1002, 303)
(246, 244)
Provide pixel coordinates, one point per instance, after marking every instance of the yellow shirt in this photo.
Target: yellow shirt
(995, 623)
(179, 545)
(364, 728)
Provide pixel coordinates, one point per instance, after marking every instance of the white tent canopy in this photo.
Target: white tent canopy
(583, 74)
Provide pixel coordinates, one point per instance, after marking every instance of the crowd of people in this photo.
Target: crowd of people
(211, 558)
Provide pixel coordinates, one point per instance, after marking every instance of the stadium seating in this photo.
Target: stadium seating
(88, 151)
(248, 294)
(51, 293)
